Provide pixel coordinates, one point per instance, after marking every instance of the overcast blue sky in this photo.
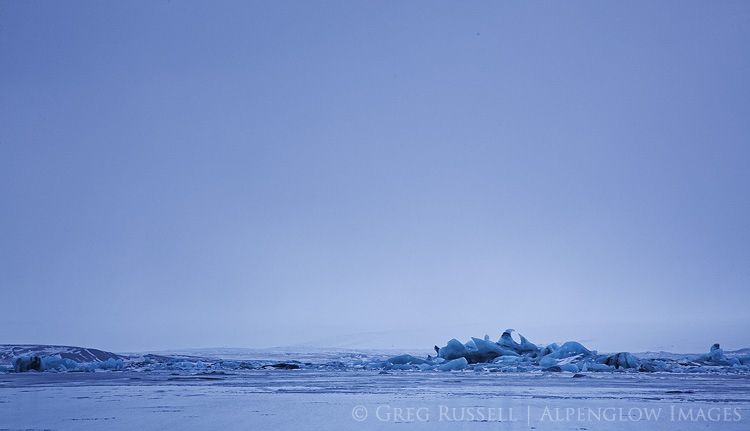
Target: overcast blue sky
(251, 174)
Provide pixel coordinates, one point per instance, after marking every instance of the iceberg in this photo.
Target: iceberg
(506, 352)
(453, 350)
(454, 365)
(405, 362)
(508, 360)
(548, 349)
(27, 363)
(111, 364)
(57, 363)
(479, 350)
(716, 356)
(547, 361)
(569, 367)
(506, 340)
(405, 359)
(508, 355)
(571, 348)
(593, 366)
(622, 360)
(487, 350)
(653, 365)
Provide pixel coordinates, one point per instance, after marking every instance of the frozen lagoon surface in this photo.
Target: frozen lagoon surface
(369, 399)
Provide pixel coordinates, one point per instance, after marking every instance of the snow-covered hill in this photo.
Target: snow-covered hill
(8, 352)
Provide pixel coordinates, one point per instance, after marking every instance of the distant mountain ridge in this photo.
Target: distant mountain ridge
(8, 352)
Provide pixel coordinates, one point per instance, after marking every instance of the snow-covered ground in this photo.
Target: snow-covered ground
(370, 399)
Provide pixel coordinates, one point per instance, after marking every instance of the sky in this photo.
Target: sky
(179, 174)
